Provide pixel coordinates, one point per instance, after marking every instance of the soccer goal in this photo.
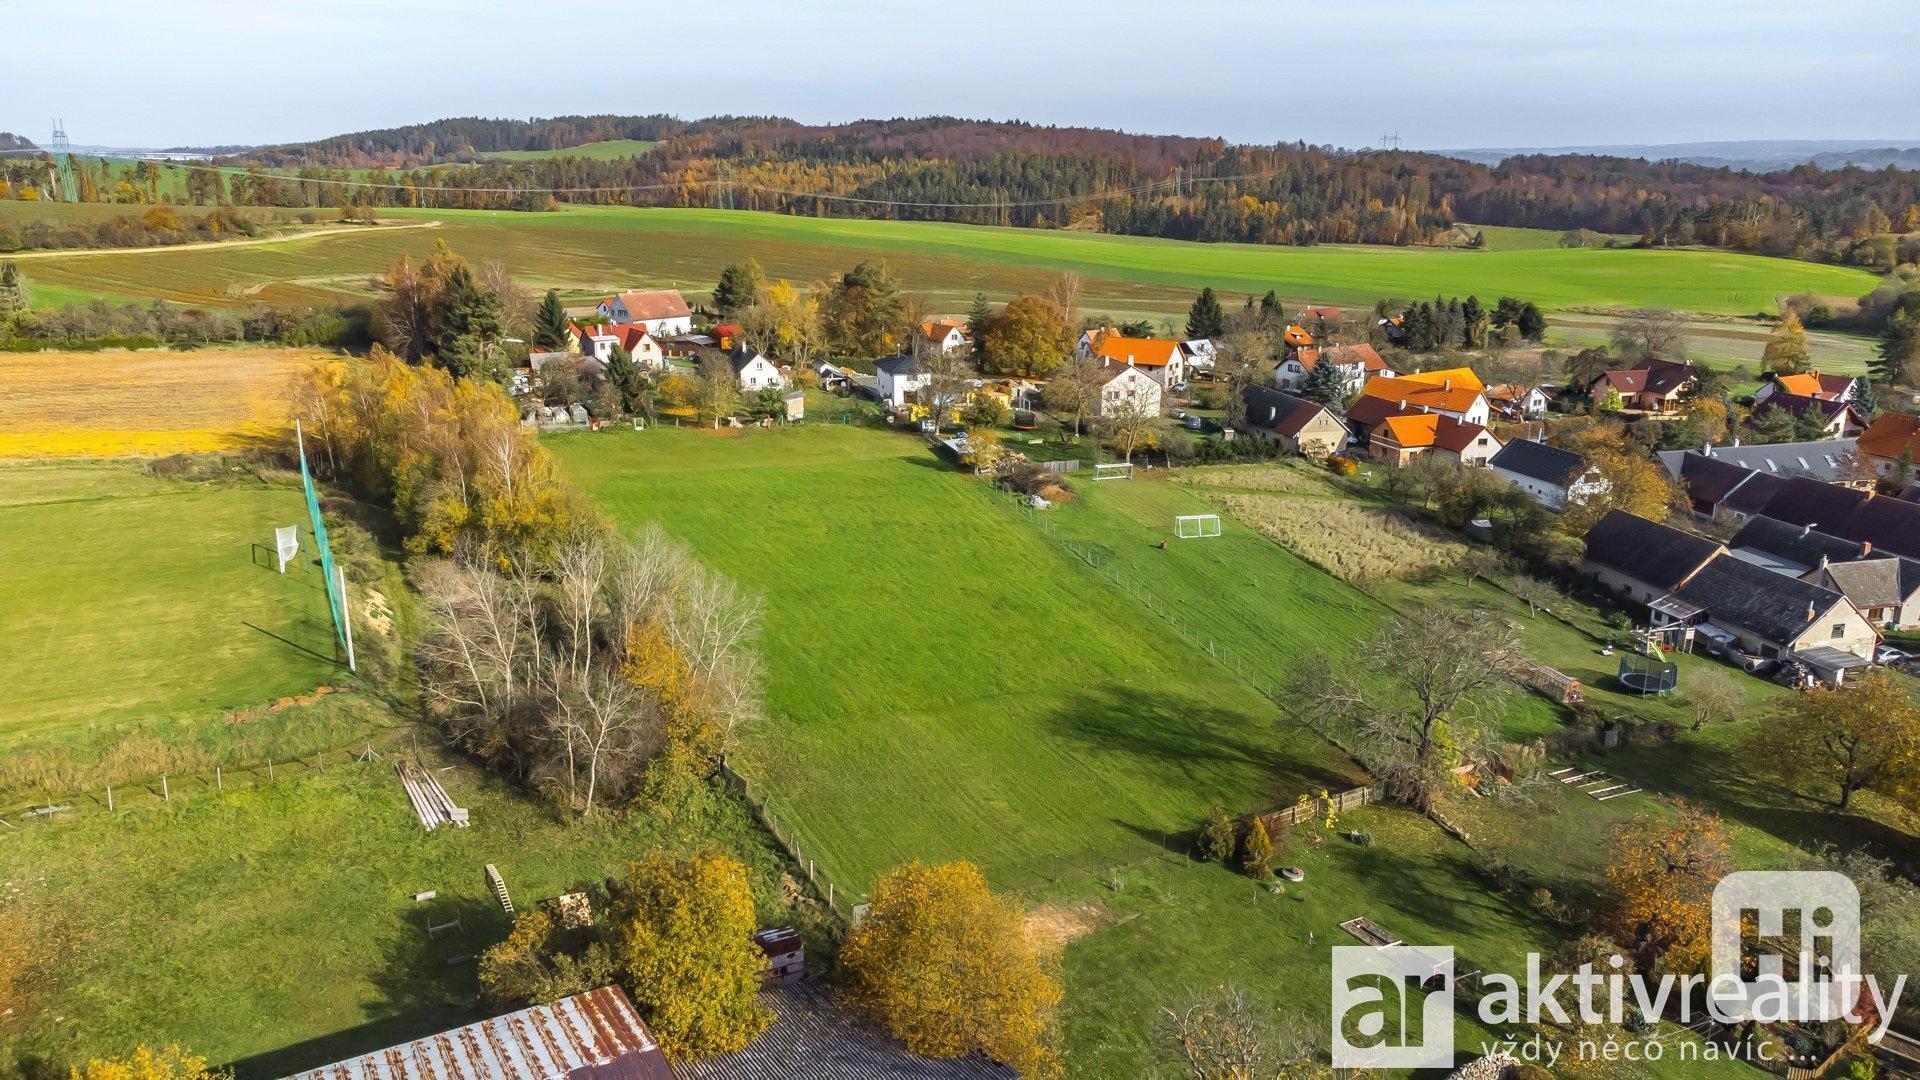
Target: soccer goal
(1196, 526)
(1113, 470)
(286, 544)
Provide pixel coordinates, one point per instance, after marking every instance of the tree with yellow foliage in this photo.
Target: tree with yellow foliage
(1027, 337)
(1661, 871)
(681, 932)
(145, 1063)
(1864, 736)
(949, 969)
(1635, 484)
(1786, 352)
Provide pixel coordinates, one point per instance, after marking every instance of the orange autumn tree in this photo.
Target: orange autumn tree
(949, 969)
(1661, 872)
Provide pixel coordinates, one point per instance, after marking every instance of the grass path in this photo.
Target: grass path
(256, 241)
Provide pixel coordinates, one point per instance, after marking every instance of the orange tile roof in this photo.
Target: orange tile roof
(1458, 376)
(1298, 337)
(1890, 434)
(937, 329)
(1424, 390)
(1416, 430)
(1143, 352)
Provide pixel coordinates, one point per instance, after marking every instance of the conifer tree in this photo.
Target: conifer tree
(13, 290)
(1899, 353)
(738, 288)
(1206, 318)
(550, 324)
(977, 320)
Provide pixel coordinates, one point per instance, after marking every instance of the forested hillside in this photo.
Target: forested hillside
(1005, 173)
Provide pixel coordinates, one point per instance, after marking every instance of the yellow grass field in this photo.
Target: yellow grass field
(147, 403)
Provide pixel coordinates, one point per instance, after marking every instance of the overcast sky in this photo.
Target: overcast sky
(1441, 73)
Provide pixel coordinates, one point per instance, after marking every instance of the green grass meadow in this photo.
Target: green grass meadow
(132, 601)
(943, 681)
(607, 150)
(584, 249)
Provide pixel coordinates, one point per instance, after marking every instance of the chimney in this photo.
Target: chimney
(1806, 529)
(1736, 442)
(1446, 384)
(1823, 562)
(1866, 548)
(1811, 614)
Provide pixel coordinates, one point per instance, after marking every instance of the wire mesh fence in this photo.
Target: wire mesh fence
(840, 901)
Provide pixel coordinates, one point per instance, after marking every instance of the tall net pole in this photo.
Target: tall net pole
(333, 576)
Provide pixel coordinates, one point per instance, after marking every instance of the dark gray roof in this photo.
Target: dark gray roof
(1829, 459)
(1548, 464)
(903, 364)
(811, 1036)
(1890, 525)
(741, 356)
(1646, 550)
(1753, 598)
(1277, 410)
(1795, 544)
(1707, 480)
(1869, 582)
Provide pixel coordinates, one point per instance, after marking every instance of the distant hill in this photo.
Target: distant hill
(1752, 155)
(10, 141)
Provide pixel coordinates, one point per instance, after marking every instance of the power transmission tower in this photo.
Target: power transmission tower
(1390, 142)
(723, 189)
(63, 162)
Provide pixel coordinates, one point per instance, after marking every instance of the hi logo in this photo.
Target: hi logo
(1786, 944)
(1392, 1007)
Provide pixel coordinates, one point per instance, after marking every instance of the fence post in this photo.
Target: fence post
(109, 798)
(829, 894)
(269, 770)
(166, 794)
(218, 783)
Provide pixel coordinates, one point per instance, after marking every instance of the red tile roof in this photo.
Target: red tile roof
(653, 303)
(1889, 434)
(1417, 430)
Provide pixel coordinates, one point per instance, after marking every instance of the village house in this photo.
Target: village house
(1654, 387)
(1884, 587)
(1811, 384)
(1892, 443)
(1555, 478)
(1719, 490)
(1455, 392)
(1890, 525)
(755, 371)
(1688, 582)
(1124, 384)
(1161, 358)
(1355, 363)
(1200, 354)
(663, 312)
(1518, 402)
(1399, 439)
(1296, 337)
(898, 378)
(1831, 461)
(1838, 419)
(596, 341)
(1303, 426)
(947, 335)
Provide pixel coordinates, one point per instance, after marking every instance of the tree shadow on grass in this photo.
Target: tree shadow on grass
(419, 989)
(1724, 779)
(1205, 743)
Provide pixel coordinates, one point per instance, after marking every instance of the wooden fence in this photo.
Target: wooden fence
(839, 901)
(1314, 809)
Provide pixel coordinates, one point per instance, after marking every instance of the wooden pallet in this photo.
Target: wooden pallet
(1370, 932)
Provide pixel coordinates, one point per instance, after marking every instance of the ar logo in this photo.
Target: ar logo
(1380, 1019)
(1786, 945)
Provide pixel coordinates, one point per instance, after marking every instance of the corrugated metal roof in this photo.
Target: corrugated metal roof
(583, 1034)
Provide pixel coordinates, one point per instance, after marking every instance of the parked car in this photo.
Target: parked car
(1887, 654)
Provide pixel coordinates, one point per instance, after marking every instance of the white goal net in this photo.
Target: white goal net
(286, 544)
(1196, 526)
(1113, 470)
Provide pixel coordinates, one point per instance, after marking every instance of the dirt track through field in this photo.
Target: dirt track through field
(335, 230)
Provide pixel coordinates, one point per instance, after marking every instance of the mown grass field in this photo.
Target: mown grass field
(152, 402)
(132, 602)
(583, 250)
(274, 928)
(945, 682)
